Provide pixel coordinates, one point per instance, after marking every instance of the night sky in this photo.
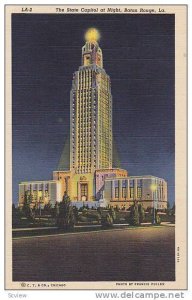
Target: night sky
(139, 56)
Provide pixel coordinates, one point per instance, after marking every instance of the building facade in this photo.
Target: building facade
(40, 193)
(86, 186)
(150, 191)
(91, 177)
(90, 114)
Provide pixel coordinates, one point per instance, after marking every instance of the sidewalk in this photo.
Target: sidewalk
(85, 226)
(168, 224)
(33, 228)
(49, 231)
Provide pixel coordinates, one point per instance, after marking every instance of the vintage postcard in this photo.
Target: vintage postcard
(96, 126)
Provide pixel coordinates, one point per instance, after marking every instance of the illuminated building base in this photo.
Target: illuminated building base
(150, 191)
(84, 188)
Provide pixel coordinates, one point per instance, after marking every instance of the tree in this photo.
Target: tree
(65, 219)
(141, 213)
(56, 210)
(26, 207)
(16, 215)
(173, 209)
(134, 214)
(168, 205)
(75, 212)
(36, 207)
(13, 208)
(168, 210)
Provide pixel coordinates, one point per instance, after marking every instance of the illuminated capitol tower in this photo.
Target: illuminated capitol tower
(92, 178)
(91, 111)
(90, 124)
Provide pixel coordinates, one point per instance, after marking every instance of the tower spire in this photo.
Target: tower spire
(91, 52)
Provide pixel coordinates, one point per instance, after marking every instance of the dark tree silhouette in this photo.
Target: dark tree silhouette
(134, 214)
(66, 218)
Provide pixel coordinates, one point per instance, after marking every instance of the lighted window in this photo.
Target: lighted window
(131, 189)
(139, 192)
(117, 192)
(124, 194)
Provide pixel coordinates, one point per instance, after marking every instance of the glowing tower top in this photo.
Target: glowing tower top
(91, 52)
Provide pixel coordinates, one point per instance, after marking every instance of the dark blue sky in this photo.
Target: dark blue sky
(139, 56)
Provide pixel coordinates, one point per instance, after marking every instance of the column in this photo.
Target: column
(120, 189)
(135, 189)
(43, 191)
(37, 191)
(127, 190)
(113, 189)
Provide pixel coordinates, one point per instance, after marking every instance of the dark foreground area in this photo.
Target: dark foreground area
(140, 254)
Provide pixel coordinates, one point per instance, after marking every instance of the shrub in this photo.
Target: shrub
(157, 220)
(134, 215)
(47, 208)
(116, 208)
(91, 216)
(107, 221)
(81, 208)
(112, 213)
(75, 212)
(66, 218)
(141, 213)
(99, 210)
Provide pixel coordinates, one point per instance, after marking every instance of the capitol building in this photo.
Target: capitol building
(91, 178)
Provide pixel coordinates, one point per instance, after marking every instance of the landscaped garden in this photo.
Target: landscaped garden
(65, 216)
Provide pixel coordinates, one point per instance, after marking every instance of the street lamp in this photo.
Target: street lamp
(153, 188)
